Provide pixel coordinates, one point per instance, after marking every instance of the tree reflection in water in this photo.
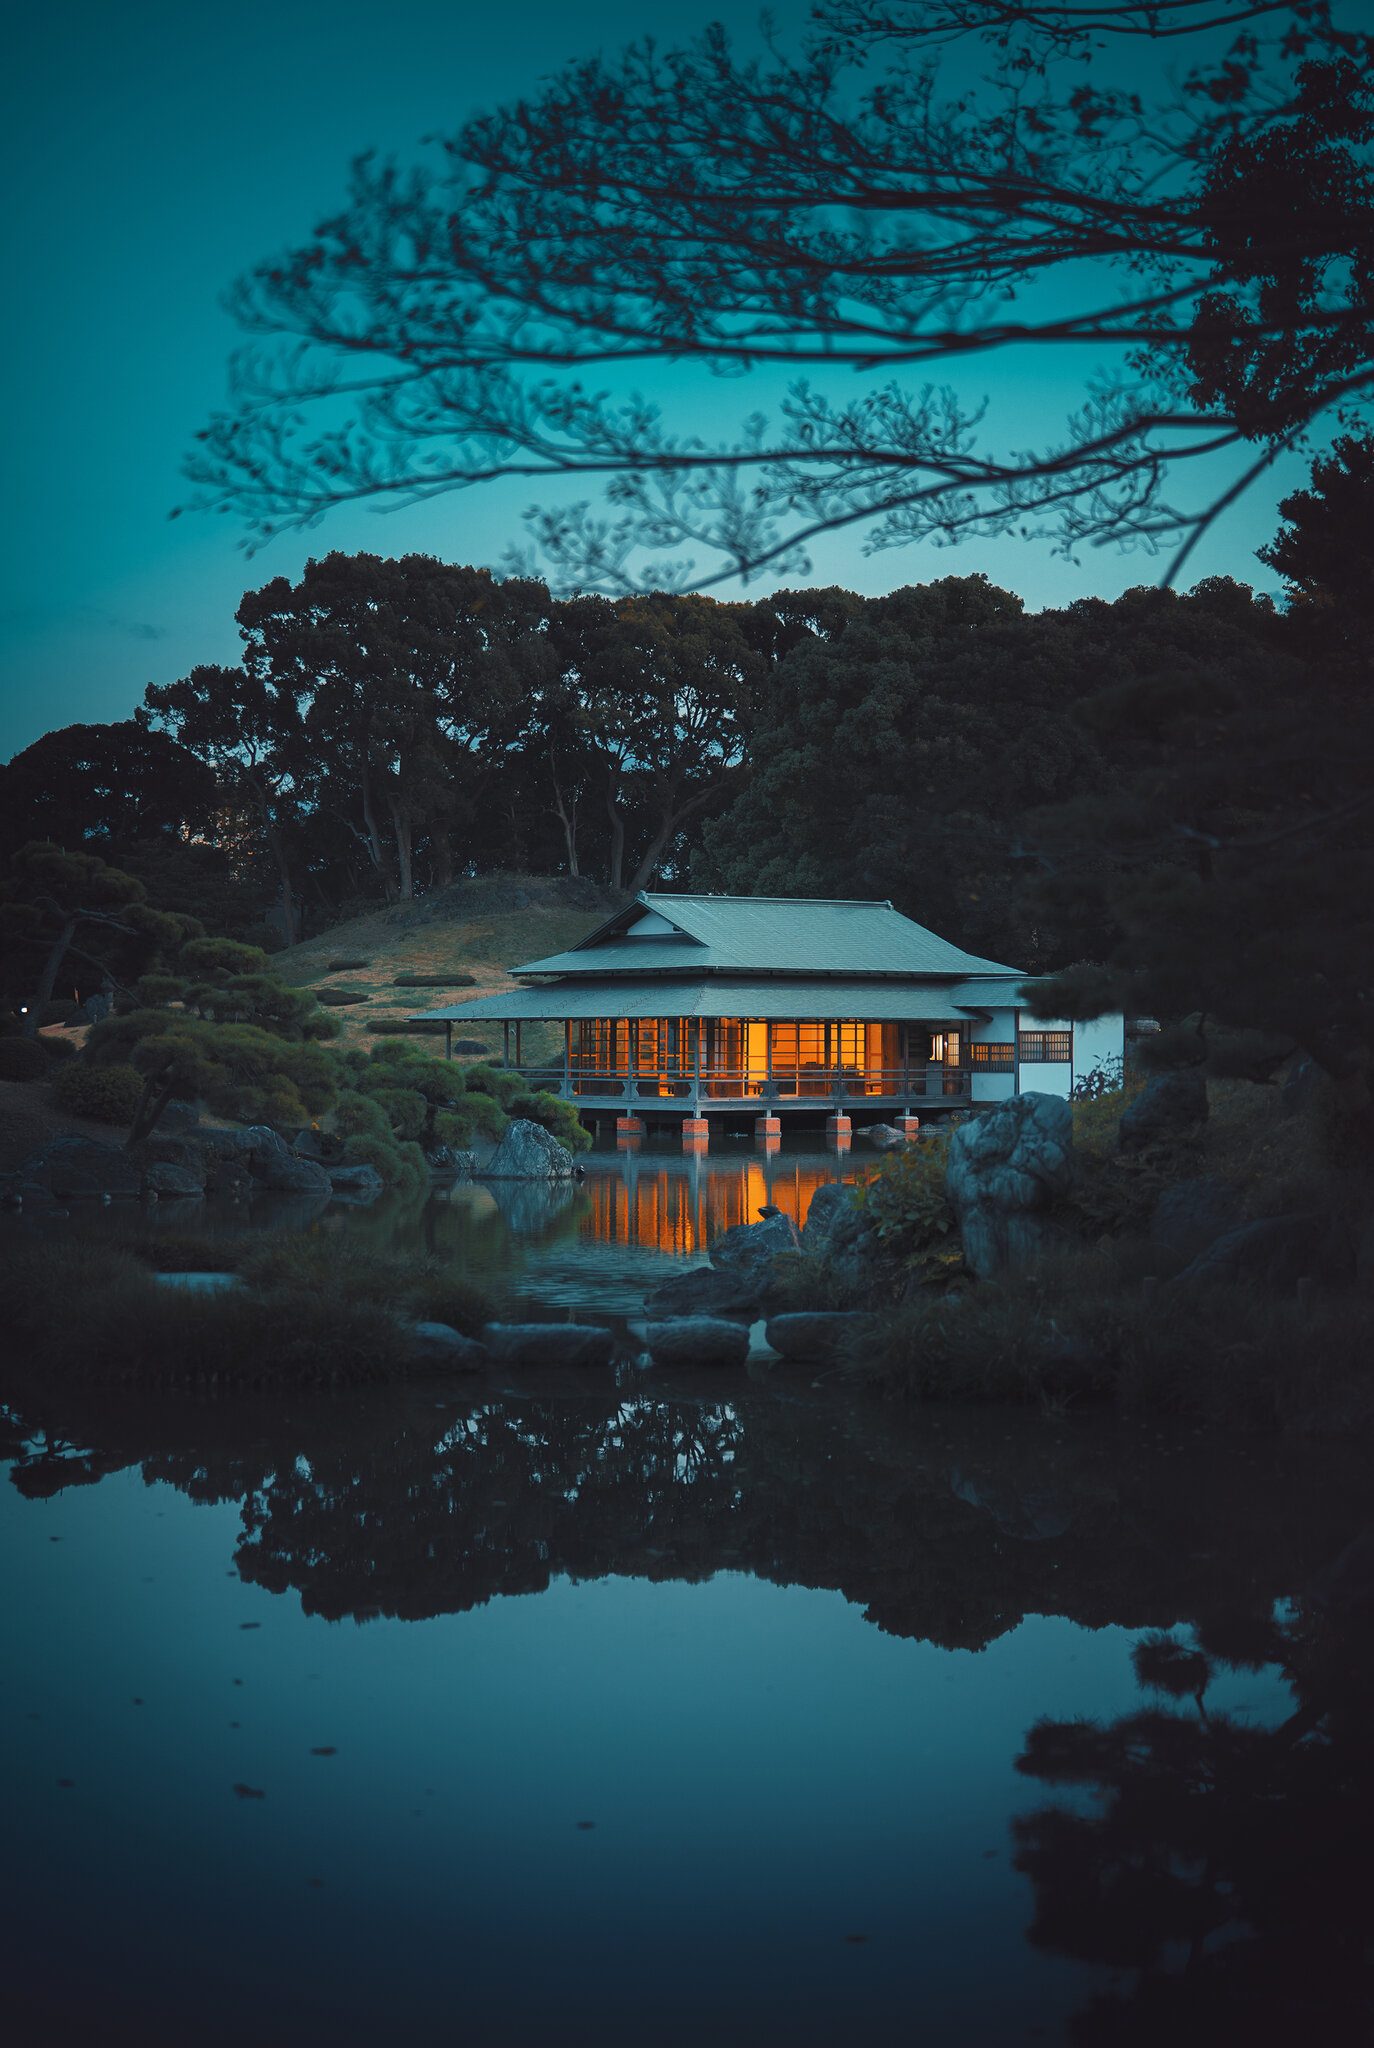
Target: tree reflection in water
(1222, 1865)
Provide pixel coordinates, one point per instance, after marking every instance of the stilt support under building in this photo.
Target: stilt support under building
(767, 1126)
(838, 1129)
(628, 1127)
(909, 1125)
(695, 1130)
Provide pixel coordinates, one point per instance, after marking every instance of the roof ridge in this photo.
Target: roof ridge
(831, 902)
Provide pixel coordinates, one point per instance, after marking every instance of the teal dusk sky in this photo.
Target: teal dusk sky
(154, 153)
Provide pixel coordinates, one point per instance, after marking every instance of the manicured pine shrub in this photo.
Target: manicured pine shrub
(340, 998)
(23, 1059)
(406, 1027)
(457, 979)
(346, 966)
(108, 1095)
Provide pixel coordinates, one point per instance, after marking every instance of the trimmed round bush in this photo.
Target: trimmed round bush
(61, 1010)
(406, 1027)
(457, 979)
(108, 1095)
(23, 1059)
(55, 1049)
(478, 1046)
(347, 966)
(338, 998)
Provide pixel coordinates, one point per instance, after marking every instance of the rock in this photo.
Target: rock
(827, 1205)
(750, 1248)
(698, 1340)
(1167, 1107)
(1301, 1088)
(440, 1344)
(282, 1173)
(885, 1136)
(1274, 1253)
(1006, 1170)
(701, 1291)
(177, 1116)
(83, 1167)
(448, 1159)
(165, 1177)
(1193, 1214)
(309, 1144)
(360, 1183)
(186, 1154)
(528, 1152)
(814, 1333)
(566, 1344)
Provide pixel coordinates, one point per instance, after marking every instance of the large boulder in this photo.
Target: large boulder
(749, 1249)
(167, 1180)
(359, 1183)
(1194, 1213)
(886, 1137)
(440, 1345)
(702, 1291)
(284, 1173)
(528, 1152)
(72, 1167)
(697, 1340)
(814, 1334)
(453, 1160)
(567, 1344)
(827, 1206)
(1274, 1253)
(1006, 1172)
(163, 1149)
(1168, 1107)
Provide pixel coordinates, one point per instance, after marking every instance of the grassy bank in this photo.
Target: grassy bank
(309, 1313)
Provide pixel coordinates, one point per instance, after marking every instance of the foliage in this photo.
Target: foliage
(839, 205)
(238, 1070)
(24, 1059)
(558, 1117)
(1105, 1080)
(108, 1094)
(454, 980)
(340, 998)
(404, 1027)
(481, 1113)
(346, 966)
(498, 1082)
(58, 907)
(907, 1204)
(100, 787)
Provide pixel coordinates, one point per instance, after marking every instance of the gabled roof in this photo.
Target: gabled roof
(762, 935)
(825, 996)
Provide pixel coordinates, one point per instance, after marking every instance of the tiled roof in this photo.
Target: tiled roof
(824, 996)
(766, 935)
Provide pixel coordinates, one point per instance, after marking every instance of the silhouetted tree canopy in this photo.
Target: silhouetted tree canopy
(1199, 239)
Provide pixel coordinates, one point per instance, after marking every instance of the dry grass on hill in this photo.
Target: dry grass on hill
(482, 928)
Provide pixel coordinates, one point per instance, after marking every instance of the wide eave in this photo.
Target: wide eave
(887, 1000)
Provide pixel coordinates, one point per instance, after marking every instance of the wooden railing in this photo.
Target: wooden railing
(802, 1084)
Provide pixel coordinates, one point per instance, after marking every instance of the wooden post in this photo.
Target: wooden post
(518, 1061)
(567, 1057)
(631, 1064)
(505, 1042)
(448, 1038)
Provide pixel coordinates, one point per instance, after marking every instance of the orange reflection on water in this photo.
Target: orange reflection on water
(680, 1206)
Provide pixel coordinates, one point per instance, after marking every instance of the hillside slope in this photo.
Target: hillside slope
(481, 928)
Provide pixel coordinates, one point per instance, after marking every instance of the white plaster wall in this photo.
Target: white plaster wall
(1096, 1042)
(1000, 1029)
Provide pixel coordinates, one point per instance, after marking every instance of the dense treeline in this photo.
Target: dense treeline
(1174, 786)
(394, 724)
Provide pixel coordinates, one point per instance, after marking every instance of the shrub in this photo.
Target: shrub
(556, 1116)
(406, 1027)
(23, 1059)
(468, 1046)
(405, 1110)
(484, 1112)
(907, 1204)
(58, 1048)
(340, 998)
(457, 979)
(347, 966)
(497, 1082)
(108, 1095)
(155, 991)
(61, 1010)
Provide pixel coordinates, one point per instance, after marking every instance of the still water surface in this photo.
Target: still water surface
(642, 1714)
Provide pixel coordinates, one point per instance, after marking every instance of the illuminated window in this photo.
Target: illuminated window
(996, 1056)
(1047, 1045)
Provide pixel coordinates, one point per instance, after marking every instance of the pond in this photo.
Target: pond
(669, 1712)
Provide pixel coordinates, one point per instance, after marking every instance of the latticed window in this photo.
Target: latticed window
(1047, 1045)
(999, 1058)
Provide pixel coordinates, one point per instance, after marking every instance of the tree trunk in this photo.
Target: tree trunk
(47, 980)
(403, 831)
(615, 866)
(567, 819)
(376, 851)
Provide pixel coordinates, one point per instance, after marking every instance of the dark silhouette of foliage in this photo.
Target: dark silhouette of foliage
(1197, 231)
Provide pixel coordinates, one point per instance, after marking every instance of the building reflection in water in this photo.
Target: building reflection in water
(679, 1205)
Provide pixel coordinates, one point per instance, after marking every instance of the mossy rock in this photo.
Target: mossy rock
(435, 981)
